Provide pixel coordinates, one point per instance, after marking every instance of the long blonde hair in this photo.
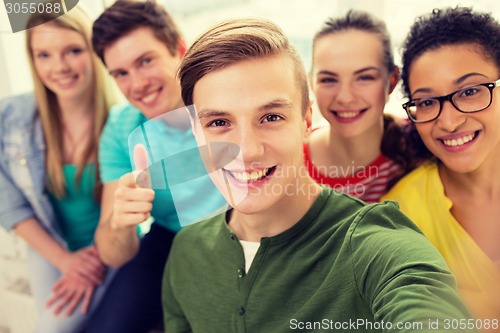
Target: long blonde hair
(77, 19)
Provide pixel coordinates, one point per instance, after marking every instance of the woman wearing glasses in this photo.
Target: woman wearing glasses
(353, 74)
(451, 74)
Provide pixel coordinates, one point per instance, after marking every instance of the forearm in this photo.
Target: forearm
(41, 241)
(116, 246)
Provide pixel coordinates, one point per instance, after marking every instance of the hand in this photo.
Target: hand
(82, 271)
(84, 265)
(68, 292)
(134, 196)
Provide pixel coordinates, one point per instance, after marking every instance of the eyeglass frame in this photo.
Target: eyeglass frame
(490, 85)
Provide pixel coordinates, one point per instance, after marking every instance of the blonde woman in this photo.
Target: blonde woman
(48, 173)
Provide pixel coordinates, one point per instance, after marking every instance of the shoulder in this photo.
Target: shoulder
(382, 227)
(366, 226)
(199, 238)
(18, 108)
(125, 116)
(122, 120)
(385, 215)
(201, 231)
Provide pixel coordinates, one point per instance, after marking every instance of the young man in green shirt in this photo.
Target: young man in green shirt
(290, 254)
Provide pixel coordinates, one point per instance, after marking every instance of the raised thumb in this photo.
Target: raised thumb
(141, 172)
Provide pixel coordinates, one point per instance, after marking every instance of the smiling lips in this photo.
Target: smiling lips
(66, 81)
(456, 142)
(251, 176)
(348, 115)
(150, 97)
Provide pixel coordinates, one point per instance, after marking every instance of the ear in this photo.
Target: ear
(394, 79)
(308, 121)
(310, 80)
(181, 47)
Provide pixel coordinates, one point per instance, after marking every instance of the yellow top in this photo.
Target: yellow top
(421, 197)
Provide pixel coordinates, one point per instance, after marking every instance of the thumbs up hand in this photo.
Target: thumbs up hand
(133, 198)
(141, 172)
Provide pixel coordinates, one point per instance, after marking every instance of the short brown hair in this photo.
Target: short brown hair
(126, 15)
(233, 41)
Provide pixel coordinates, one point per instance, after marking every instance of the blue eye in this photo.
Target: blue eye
(42, 55)
(119, 74)
(147, 61)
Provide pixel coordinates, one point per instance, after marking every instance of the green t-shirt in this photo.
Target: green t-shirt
(77, 212)
(342, 266)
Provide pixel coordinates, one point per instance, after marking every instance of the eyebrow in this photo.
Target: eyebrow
(456, 82)
(278, 103)
(364, 69)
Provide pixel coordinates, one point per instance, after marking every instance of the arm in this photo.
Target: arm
(116, 246)
(81, 271)
(124, 205)
(16, 213)
(36, 236)
(399, 273)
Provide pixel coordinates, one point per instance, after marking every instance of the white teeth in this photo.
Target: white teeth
(459, 141)
(250, 176)
(66, 81)
(149, 98)
(347, 114)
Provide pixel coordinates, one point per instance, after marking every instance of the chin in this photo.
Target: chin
(250, 206)
(460, 165)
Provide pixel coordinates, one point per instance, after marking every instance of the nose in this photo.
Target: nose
(450, 118)
(139, 82)
(62, 65)
(345, 94)
(251, 144)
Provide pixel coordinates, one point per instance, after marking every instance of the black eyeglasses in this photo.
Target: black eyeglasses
(467, 100)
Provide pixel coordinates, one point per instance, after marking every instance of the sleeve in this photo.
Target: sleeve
(401, 276)
(174, 317)
(114, 160)
(14, 207)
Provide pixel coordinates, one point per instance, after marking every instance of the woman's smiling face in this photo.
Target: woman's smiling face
(462, 141)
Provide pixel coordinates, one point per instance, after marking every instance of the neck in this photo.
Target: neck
(358, 151)
(481, 184)
(280, 217)
(76, 107)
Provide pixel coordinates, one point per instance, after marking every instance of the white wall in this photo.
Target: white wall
(300, 19)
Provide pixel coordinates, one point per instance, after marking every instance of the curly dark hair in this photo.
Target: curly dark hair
(448, 26)
(126, 15)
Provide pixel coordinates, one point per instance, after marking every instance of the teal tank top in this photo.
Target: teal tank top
(77, 212)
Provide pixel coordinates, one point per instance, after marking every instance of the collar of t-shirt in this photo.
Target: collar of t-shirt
(250, 250)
